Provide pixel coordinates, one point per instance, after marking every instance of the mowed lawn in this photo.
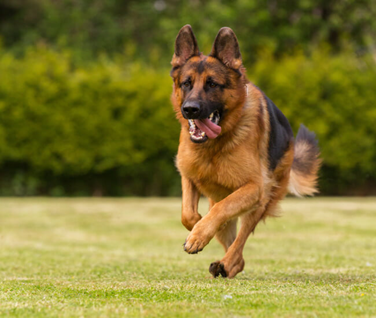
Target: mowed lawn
(124, 257)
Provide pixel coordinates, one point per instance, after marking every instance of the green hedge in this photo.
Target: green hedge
(108, 127)
(58, 121)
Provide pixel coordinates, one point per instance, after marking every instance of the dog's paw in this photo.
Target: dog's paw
(196, 241)
(217, 268)
(200, 235)
(193, 245)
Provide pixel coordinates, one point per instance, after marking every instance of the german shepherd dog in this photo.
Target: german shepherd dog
(236, 148)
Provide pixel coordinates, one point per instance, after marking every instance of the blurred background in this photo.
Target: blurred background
(85, 88)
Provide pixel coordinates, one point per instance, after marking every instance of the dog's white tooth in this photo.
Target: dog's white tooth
(202, 134)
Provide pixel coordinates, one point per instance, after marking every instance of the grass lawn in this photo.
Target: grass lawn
(124, 257)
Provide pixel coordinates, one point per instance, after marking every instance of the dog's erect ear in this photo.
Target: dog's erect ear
(226, 48)
(185, 46)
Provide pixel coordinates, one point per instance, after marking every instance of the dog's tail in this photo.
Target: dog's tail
(303, 175)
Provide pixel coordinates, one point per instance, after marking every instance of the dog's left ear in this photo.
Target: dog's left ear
(226, 48)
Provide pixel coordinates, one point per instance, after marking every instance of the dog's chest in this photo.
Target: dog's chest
(219, 174)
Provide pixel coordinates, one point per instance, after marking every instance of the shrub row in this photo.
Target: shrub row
(60, 122)
(108, 127)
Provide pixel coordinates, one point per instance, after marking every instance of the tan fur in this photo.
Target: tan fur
(232, 169)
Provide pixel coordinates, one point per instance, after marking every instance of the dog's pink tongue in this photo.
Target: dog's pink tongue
(206, 125)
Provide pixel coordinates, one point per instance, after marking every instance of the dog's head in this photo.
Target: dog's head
(207, 89)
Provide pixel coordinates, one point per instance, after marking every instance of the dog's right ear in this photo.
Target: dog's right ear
(185, 46)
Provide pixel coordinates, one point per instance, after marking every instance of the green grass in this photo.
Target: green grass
(124, 257)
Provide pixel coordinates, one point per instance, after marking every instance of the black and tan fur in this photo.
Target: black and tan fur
(250, 166)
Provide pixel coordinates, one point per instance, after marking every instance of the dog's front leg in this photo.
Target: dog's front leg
(246, 198)
(189, 209)
(233, 262)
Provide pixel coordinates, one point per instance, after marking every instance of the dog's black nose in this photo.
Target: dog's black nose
(191, 109)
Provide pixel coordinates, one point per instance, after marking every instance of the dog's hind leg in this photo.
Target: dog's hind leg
(233, 262)
(226, 235)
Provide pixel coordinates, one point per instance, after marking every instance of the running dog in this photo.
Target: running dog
(236, 148)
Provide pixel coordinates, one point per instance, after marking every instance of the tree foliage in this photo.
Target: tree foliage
(147, 28)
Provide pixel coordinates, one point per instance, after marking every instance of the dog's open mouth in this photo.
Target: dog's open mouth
(202, 129)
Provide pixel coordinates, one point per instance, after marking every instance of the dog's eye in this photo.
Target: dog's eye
(212, 84)
(187, 84)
